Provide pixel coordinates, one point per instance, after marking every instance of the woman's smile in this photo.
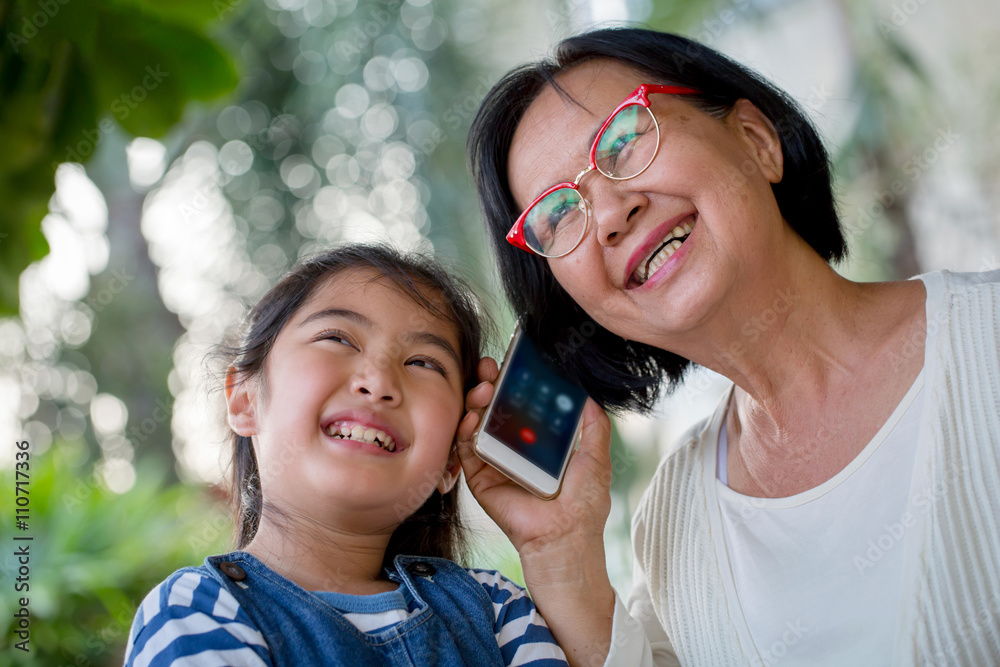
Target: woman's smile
(642, 231)
(658, 249)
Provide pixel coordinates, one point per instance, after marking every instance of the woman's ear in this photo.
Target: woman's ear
(762, 139)
(240, 403)
(451, 472)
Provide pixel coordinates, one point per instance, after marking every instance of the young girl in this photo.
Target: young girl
(344, 399)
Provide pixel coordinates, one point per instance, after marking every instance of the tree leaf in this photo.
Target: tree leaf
(20, 244)
(146, 71)
(905, 56)
(66, 70)
(196, 13)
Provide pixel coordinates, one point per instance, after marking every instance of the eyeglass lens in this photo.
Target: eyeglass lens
(556, 223)
(628, 143)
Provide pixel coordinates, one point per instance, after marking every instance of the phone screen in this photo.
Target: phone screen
(536, 410)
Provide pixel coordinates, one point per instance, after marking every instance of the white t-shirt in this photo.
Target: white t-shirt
(825, 564)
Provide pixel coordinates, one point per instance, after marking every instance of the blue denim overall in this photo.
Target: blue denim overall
(453, 625)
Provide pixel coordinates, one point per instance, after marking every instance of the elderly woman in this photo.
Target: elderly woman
(653, 205)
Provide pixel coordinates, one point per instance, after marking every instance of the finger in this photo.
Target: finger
(467, 428)
(463, 441)
(592, 462)
(595, 435)
(479, 475)
(479, 396)
(488, 369)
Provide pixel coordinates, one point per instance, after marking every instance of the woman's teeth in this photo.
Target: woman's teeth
(662, 252)
(361, 434)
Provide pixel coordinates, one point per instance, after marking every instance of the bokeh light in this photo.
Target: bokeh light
(349, 123)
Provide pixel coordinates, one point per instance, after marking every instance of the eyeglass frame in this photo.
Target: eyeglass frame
(638, 96)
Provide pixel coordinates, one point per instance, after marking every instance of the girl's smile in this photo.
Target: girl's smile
(364, 428)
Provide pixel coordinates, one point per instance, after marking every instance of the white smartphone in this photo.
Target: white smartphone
(530, 429)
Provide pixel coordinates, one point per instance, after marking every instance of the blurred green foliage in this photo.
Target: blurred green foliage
(95, 554)
(73, 71)
(67, 68)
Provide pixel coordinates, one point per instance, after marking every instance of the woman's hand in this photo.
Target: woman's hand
(560, 541)
(584, 502)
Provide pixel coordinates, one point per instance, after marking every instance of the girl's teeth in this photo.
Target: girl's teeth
(675, 244)
(360, 433)
(678, 232)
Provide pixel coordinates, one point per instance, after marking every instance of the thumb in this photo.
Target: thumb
(595, 435)
(593, 456)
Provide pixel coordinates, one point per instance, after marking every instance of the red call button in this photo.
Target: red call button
(528, 435)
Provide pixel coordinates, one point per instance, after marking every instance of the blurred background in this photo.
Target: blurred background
(162, 163)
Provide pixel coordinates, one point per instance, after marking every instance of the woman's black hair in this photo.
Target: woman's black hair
(433, 529)
(621, 374)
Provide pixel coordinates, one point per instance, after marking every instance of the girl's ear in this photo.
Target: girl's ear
(451, 473)
(240, 402)
(762, 138)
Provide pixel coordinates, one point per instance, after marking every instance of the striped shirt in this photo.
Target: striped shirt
(191, 620)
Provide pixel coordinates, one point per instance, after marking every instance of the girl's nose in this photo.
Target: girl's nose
(377, 383)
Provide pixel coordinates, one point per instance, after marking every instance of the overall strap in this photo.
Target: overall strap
(452, 625)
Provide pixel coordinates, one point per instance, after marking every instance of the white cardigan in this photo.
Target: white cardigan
(684, 610)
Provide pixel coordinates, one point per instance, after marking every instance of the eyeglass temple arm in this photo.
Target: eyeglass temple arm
(667, 90)
(515, 237)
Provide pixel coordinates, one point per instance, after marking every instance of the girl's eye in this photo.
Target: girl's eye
(336, 337)
(427, 362)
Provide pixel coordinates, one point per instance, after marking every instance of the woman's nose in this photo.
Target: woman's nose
(377, 384)
(614, 207)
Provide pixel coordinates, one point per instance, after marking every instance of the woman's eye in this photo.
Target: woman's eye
(556, 216)
(620, 145)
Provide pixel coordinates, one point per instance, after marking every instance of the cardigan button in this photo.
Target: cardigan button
(421, 569)
(233, 571)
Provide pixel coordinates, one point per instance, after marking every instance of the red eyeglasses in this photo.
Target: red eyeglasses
(555, 222)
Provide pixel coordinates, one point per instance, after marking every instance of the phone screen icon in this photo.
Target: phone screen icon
(537, 409)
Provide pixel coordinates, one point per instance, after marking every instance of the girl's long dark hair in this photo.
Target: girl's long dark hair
(618, 373)
(431, 529)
